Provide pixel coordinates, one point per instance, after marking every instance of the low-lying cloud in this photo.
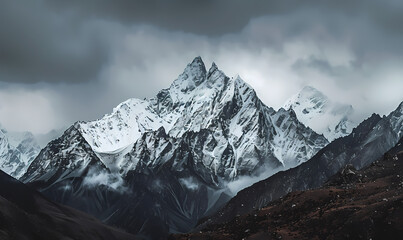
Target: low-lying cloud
(246, 181)
(189, 183)
(97, 178)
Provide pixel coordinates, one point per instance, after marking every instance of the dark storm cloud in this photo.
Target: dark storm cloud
(216, 17)
(54, 41)
(37, 45)
(210, 17)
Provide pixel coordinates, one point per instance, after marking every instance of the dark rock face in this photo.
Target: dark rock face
(26, 214)
(353, 204)
(365, 144)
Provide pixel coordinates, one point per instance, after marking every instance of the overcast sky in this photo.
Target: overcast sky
(64, 61)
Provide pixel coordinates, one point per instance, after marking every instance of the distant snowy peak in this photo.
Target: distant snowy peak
(17, 151)
(324, 116)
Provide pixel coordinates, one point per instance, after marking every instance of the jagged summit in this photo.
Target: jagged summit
(324, 116)
(193, 75)
(213, 68)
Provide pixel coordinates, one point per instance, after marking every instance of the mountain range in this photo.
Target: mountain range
(203, 151)
(167, 160)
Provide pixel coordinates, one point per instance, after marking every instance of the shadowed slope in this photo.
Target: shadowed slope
(26, 214)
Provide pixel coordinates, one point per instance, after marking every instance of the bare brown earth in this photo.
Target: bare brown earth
(365, 204)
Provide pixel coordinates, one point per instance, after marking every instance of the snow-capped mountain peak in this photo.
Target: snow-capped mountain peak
(202, 132)
(324, 116)
(310, 99)
(242, 128)
(133, 117)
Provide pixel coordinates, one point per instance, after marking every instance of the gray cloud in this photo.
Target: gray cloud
(209, 17)
(216, 17)
(321, 65)
(55, 41)
(40, 46)
(78, 59)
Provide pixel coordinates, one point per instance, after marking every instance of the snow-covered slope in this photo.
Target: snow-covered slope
(324, 116)
(17, 151)
(174, 153)
(122, 127)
